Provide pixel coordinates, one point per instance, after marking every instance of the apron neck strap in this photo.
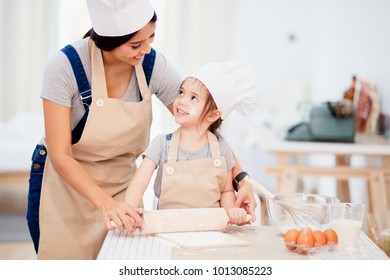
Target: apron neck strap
(98, 80)
(175, 140)
(99, 86)
(143, 86)
(214, 144)
(174, 146)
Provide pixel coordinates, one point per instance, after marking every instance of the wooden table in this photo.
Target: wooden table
(288, 172)
(265, 243)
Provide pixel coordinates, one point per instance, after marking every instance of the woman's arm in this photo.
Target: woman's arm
(245, 197)
(58, 139)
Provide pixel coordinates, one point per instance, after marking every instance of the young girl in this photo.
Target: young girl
(195, 162)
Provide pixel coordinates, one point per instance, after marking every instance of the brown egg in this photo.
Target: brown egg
(331, 238)
(307, 229)
(305, 240)
(319, 239)
(290, 238)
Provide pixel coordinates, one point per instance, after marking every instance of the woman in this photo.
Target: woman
(89, 166)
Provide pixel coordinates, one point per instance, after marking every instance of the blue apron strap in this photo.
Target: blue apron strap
(84, 89)
(148, 65)
(79, 73)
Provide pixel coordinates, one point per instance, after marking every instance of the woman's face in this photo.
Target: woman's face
(134, 50)
(189, 104)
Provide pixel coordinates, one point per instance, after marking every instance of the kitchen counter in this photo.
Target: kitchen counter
(265, 242)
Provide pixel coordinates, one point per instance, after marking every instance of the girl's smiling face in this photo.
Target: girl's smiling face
(189, 104)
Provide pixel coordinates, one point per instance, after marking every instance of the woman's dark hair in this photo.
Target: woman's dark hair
(106, 43)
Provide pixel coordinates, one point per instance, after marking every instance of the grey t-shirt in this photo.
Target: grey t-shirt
(157, 151)
(60, 86)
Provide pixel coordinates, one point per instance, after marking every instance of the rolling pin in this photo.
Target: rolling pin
(184, 220)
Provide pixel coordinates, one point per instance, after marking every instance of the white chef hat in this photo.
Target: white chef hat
(119, 17)
(232, 85)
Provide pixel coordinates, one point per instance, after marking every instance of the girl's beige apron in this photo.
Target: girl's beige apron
(195, 183)
(115, 134)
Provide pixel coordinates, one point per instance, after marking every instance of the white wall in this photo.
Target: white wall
(29, 31)
(73, 21)
(196, 32)
(334, 40)
(357, 44)
(1, 57)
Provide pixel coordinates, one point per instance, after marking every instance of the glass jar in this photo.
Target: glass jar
(385, 236)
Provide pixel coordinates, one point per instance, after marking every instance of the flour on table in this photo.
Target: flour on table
(203, 239)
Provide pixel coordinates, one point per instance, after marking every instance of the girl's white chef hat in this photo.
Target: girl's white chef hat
(232, 85)
(119, 17)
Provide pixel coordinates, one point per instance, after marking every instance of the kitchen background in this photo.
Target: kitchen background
(303, 51)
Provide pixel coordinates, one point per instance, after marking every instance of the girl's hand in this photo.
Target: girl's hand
(245, 199)
(122, 216)
(237, 216)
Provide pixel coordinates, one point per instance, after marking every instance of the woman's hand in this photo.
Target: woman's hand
(122, 216)
(245, 198)
(237, 216)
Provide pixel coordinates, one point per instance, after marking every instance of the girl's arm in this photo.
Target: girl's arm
(58, 139)
(228, 198)
(140, 182)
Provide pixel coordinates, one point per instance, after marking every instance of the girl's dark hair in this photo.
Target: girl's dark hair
(106, 43)
(210, 106)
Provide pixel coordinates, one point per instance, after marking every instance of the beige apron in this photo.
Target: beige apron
(192, 184)
(115, 134)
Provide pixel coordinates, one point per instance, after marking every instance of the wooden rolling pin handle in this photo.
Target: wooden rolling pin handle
(248, 218)
(261, 188)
